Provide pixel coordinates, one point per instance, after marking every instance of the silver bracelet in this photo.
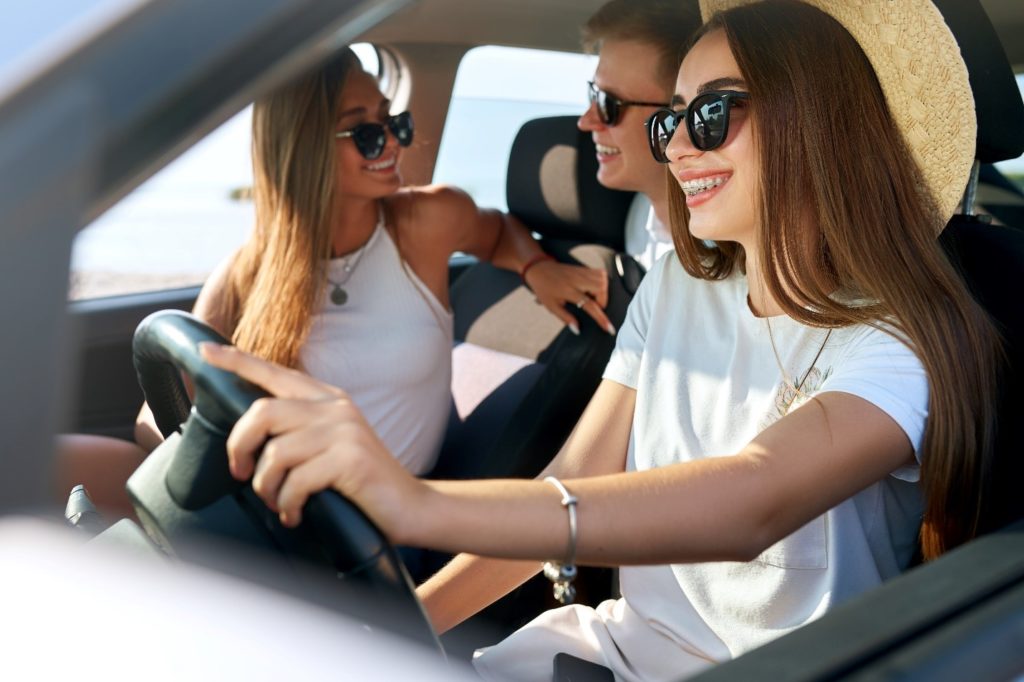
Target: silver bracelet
(562, 574)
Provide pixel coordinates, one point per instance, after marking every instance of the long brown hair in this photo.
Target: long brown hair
(277, 277)
(842, 209)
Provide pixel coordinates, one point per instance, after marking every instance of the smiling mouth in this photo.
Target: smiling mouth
(604, 150)
(692, 188)
(382, 165)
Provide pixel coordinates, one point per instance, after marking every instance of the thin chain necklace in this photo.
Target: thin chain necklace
(338, 294)
(797, 390)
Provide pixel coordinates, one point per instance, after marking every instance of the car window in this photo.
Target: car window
(173, 229)
(1014, 168)
(497, 89)
(177, 226)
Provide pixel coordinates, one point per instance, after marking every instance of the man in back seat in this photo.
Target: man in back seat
(639, 46)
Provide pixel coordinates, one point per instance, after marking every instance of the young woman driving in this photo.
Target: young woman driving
(788, 410)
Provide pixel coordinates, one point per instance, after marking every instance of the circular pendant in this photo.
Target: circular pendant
(338, 295)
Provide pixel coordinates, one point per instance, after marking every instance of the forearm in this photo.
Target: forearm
(668, 515)
(514, 246)
(596, 446)
(469, 584)
(714, 509)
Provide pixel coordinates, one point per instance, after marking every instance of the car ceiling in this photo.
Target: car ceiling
(554, 24)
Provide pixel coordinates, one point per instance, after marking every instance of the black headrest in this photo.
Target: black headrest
(996, 96)
(552, 185)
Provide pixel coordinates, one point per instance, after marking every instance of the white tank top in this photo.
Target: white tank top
(389, 346)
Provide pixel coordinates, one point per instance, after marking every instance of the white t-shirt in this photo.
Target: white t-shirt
(647, 238)
(707, 381)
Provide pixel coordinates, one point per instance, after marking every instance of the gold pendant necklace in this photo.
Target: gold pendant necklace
(797, 390)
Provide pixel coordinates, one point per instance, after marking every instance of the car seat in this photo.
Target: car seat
(520, 378)
(991, 257)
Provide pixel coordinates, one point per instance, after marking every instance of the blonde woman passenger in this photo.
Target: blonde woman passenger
(346, 274)
(799, 397)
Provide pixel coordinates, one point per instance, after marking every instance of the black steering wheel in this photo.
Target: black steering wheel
(334, 531)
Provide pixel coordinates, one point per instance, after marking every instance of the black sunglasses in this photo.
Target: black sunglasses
(371, 138)
(707, 122)
(609, 107)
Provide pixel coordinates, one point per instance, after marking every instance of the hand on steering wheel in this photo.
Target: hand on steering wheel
(309, 437)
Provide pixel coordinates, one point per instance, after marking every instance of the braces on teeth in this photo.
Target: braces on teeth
(695, 187)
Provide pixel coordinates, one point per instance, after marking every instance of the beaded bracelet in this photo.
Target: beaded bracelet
(562, 574)
(539, 258)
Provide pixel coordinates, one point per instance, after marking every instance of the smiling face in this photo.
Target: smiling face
(720, 185)
(362, 102)
(628, 71)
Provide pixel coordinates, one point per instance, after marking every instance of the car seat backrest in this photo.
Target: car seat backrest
(991, 257)
(520, 378)
(552, 185)
(997, 100)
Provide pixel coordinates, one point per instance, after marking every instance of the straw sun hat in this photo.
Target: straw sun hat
(924, 78)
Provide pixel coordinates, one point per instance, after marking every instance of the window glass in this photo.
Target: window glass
(367, 54)
(1014, 169)
(497, 89)
(177, 226)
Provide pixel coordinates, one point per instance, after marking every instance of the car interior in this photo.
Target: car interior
(79, 134)
(522, 423)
